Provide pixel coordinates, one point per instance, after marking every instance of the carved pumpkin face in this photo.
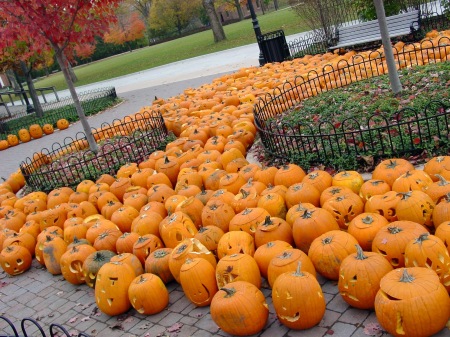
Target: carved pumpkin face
(111, 288)
(62, 124)
(15, 259)
(237, 267)
(24, 135)
(148, 294)
(48, 129)
(36, 131)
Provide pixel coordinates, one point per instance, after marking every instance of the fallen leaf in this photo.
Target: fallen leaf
(373, 329)
(330, 332)
(73, 319)
(175, 327)
(59, 293)
(117, 326)
(84, 319)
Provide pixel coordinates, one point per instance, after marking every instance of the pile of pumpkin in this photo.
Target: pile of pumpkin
(218, 224)
(35, 131)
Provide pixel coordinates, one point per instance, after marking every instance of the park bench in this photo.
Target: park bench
(368, 32)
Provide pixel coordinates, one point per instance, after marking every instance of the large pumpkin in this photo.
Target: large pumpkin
(36, 131)
(198, 280)
(24, 135)
(148, 294)
(405, 300)
(111, 288)
(298, 299)
(240, 309)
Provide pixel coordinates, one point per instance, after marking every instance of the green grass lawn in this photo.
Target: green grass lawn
(238, 34)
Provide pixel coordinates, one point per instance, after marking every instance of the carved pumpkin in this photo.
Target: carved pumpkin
(411, 181)
(373, 187)
(384, 205)
(416, 206)
(329, 250)
(147, 223)
(210, 236)
(35, 131)
(248, 220)
(391, 240)
(72, 263)
(54, 248)
(131, 260)
(429, 251)
(111, 288)
(4, 144)
(198, 280)
(125, 242)
(48, 129)
(188, 249)
(298, 299)
(404, 293)
(24, 135)
(13, 140)
(175, 228)
(235, 242)
(148, 295)
(359, 278)
(439, 165)
(107, 239)
(344, 207)
(302, 193)
(145, 245)
(62, 124)
(239, 308)
(237, 267)
(15, 259)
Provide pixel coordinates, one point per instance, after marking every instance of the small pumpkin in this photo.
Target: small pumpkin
(48, 129)
(36, 131)
(72, 263)
(15, 259)
(62, 124)
(24, 135)
(198, 280)
(93, 263)
(13, 140)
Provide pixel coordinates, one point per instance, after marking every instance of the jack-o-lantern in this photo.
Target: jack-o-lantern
(4, 144)
(24, 135)
(235, 242)
(111, 288)
(72, 263)
(62, 124)
(148, 294)
(198, 280)
(48, 129)
(405, 298)
(15, 259)
(175, 228)
(188, 249)
(298, 299)
(36, 131)
(237, 267)
(13, 140)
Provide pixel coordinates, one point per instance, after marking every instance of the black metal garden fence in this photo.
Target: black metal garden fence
(376, 135)
(30, 325)
(344, 13)
(131, 139)
(92, 102)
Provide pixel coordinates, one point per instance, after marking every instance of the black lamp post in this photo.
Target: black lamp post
(30, 108)
(257, 30)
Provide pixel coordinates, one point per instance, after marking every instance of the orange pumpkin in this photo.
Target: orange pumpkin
(62, 124)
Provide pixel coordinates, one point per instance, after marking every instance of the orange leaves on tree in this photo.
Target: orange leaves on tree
(129, 27)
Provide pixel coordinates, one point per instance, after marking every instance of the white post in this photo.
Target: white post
(396, 86)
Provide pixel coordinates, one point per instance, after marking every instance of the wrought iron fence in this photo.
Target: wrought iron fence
(344, 13)
(30, 324)
(92, 102)
(131, 139)
(376, 135)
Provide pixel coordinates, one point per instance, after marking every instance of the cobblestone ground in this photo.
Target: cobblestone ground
(50, 299)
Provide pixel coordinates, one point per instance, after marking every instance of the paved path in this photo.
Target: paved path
(50, 299)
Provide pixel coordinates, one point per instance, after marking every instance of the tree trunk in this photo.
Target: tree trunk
(87, 129)
(12, 79)
(32, 90)
(237, 4)
(216, 25)
(276, 5)
(73, 77)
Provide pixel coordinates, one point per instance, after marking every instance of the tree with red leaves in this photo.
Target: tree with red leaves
(59, 25)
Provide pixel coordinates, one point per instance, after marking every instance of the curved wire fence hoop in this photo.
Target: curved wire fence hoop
(376, 135)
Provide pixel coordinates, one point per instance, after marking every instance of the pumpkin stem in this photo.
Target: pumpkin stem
(327, 240)
(367, 220)
(394, 230)
(229, 292)
(442, 181)
(182, 248)
(307, 214)
(141, 279)
(422, 238)
(406, 277)
(298, 271)
(404, 195)
(267, 221)
(360, 253)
